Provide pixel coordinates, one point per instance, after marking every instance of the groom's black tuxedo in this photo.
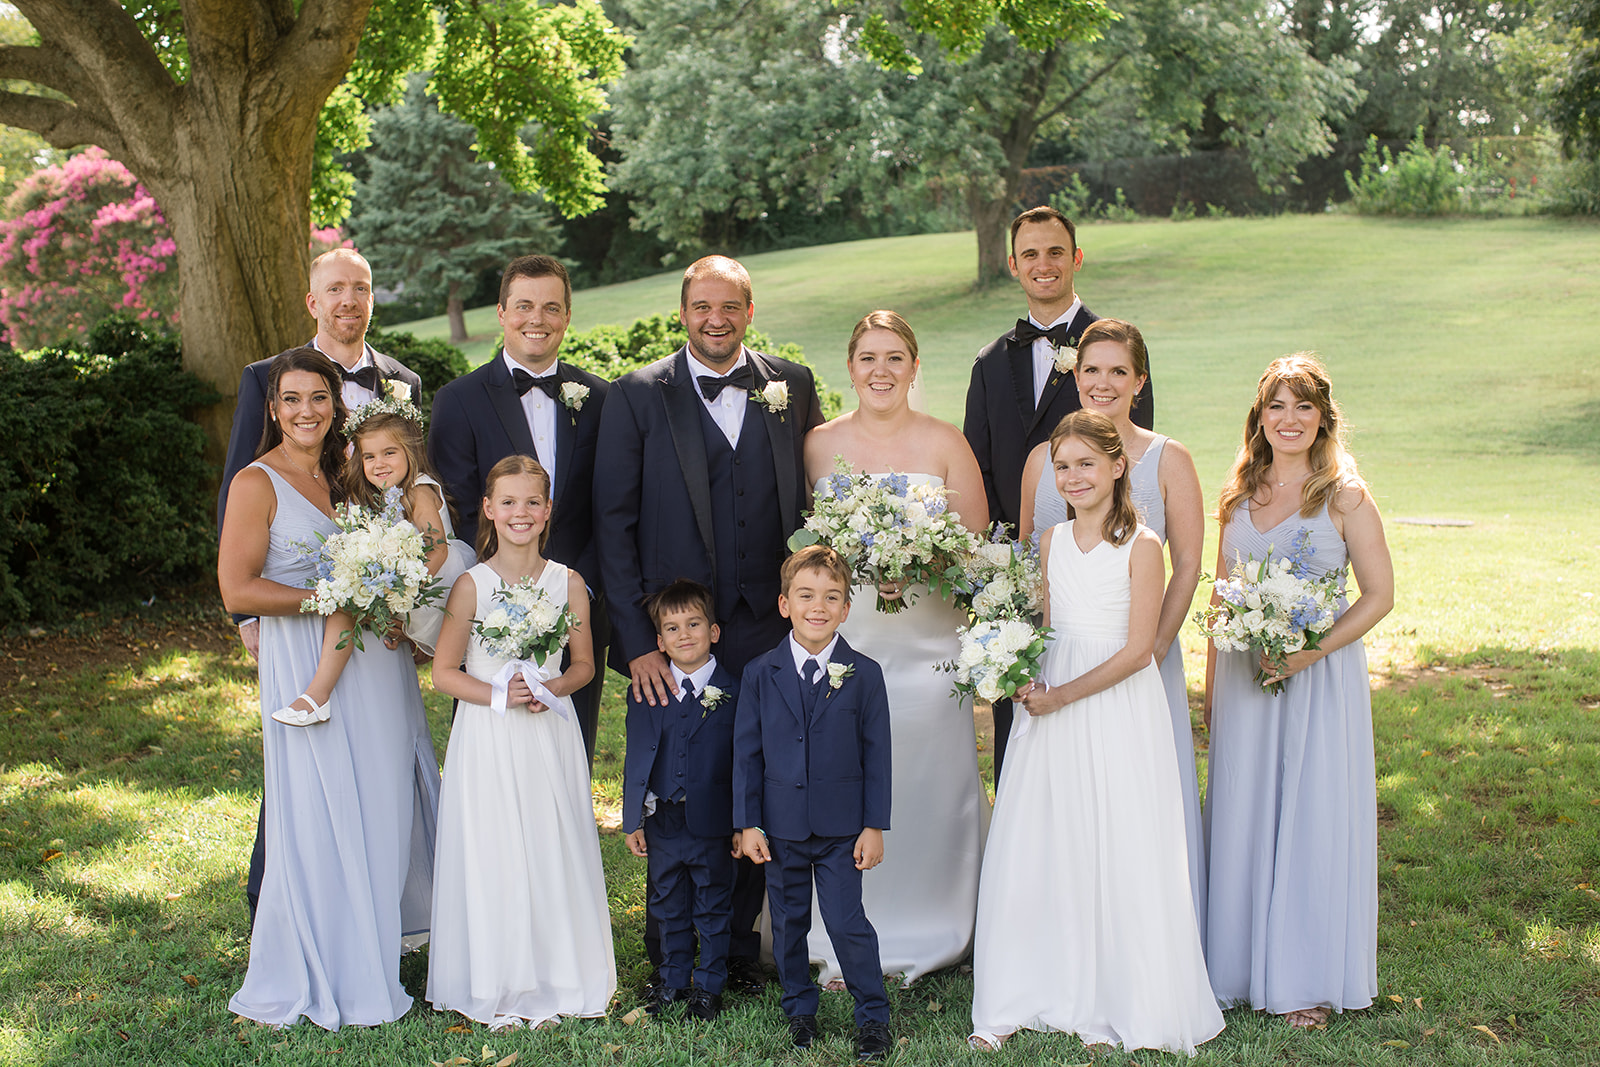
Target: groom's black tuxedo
(674, 502)
(1003, 425)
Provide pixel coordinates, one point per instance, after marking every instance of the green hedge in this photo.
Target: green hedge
(435, 362)
(105, 495)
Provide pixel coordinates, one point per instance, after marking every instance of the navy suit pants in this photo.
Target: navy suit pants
(691, 893)
(831, 861)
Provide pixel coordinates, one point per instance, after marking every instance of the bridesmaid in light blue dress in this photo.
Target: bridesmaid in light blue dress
(1291, 799)
(350, 802)
(1111, 372)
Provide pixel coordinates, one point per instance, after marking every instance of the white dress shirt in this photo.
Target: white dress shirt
(1044, 357)
(540, 411)
(701, 678)
(800, 654)
(727, 410)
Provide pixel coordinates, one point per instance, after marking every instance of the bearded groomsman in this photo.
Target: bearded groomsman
(704, 478)
(1022, 383)
(527, 401)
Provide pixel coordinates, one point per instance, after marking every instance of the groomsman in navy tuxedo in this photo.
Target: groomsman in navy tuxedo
(340, 301)
(702, 477)
(526, 401)
(1022, 383)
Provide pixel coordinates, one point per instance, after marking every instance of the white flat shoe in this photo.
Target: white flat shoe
(293, 716)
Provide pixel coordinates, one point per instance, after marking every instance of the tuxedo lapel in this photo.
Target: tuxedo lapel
(566, 436)
(386, 366)
(683, 406)
(1053, 385)
(508, 407)
(1019, 358)
(788, 682)
(778, 436)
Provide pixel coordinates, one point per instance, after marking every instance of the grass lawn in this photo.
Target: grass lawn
(1462, 352)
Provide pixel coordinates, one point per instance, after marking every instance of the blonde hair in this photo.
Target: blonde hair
(510, 467)
(1332, 467)
(815, 558)
(1101, 434)
(882, 320)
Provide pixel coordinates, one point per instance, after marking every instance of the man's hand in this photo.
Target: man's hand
(636, 843)
(869, 849)
(753, 843)
(250, 635)
(652, 679)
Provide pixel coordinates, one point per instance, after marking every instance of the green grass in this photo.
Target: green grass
(1462, 354)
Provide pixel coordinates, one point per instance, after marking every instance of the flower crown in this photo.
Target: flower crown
(395, 401)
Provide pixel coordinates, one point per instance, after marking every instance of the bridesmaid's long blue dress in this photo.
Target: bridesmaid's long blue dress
(1291, 815)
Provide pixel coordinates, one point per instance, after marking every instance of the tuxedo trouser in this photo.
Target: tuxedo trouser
(831, 861)
(586, 701)
(1002, 733)
(258, 860)
(691, 893)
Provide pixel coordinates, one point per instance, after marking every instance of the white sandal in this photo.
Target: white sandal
(290, 715)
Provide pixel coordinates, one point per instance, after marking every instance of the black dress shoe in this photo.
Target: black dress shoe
(703, 1005)
(873, 1041)
(661, 997)
(746, 976)
(803, 1030)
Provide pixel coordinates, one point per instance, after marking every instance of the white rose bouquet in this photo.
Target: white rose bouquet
(890, 531)
(375, 569)
(1273, 604)
(998, 657)
(1004, 579)
(527, 624)
(1004, 591)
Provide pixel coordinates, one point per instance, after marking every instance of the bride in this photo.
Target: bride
(923, 898)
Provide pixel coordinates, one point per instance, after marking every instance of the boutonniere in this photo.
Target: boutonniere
(837, 673)
(573, 394)
(1065, 356)
(397, 390)
(710, 698)
(774, 396)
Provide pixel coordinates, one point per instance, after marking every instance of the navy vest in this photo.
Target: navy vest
(746, 520)
(668, 774)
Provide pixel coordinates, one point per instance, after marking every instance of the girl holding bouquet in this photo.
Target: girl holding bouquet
(348, 818)
(386, 453)
(1085, 922)
(523, 933)
(1291, 807)
(921, 899)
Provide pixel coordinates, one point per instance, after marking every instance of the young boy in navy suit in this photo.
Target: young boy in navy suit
(811, 792)
(677, 802)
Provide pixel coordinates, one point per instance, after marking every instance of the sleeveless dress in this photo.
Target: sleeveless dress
(1144, 485)
(1292, 815)
(922, 898)
(1085, 922)
(522, 931)
(350, 809)
(423, 624)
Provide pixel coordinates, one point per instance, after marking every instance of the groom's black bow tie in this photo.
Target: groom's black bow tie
(1058, 335)
(523, 381)
(367, 377)
(741, 378)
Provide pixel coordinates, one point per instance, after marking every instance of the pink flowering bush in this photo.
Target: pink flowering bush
(79, 242)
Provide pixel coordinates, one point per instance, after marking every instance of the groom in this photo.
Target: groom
(703, 478)
(1022, 383)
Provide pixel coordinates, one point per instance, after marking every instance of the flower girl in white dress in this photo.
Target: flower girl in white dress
(522, 933)
(1085, 922)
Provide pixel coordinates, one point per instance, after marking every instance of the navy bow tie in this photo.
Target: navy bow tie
(1058, 335)
(367, 377)
(741, 378)
(522, 381)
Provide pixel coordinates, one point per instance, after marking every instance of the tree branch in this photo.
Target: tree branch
(62, 124)
(105, 42)
(1072, 97)
(48, 67)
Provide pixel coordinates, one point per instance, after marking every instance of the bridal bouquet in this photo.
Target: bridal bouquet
(1003, 579)
(1274, 604)
(526, 624)
(890, 531)
(375, 568)
(998, 657)
(1004, 591)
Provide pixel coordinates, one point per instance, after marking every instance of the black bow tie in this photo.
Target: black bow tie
(523, 381)
(1058, 335)
(741, 378)
(367, 377)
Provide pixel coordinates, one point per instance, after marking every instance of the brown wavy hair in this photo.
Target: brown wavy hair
(307, 358)
(409, 433)
(1101, 433)
(511, 466)
(1332, 466)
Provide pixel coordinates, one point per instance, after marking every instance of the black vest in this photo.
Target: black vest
(746, 520)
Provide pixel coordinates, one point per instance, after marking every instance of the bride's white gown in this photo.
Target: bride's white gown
(923, 898)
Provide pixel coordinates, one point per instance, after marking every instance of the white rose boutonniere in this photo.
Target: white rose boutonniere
(1066, 358)
(837, 673)
(710, 698)
(573, 394)
(398, 391)
(774, 396)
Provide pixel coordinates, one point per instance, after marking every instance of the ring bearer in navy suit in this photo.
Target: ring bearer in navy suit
(703, 477)
(811, 792)
(677, 802)
(340, 301)
(1022, 383)
(527, 402)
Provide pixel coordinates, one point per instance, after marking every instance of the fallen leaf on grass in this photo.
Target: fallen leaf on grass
(507, 1061)
(458, 1028)
(171, 926)
(611, 1049)
(1417, 1001)
(174, 896)
(633, 1017)
(1396, 1044)
(191, 981)
(1397, 1000)
(935, 1006)
(1430, 1031)
(124, 1035)
(51, 853)
(1485, 1030)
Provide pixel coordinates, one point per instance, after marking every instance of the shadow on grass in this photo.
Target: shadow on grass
(1577, 434)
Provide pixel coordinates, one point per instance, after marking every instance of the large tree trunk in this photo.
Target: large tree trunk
(991, 215)
(455, 310)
